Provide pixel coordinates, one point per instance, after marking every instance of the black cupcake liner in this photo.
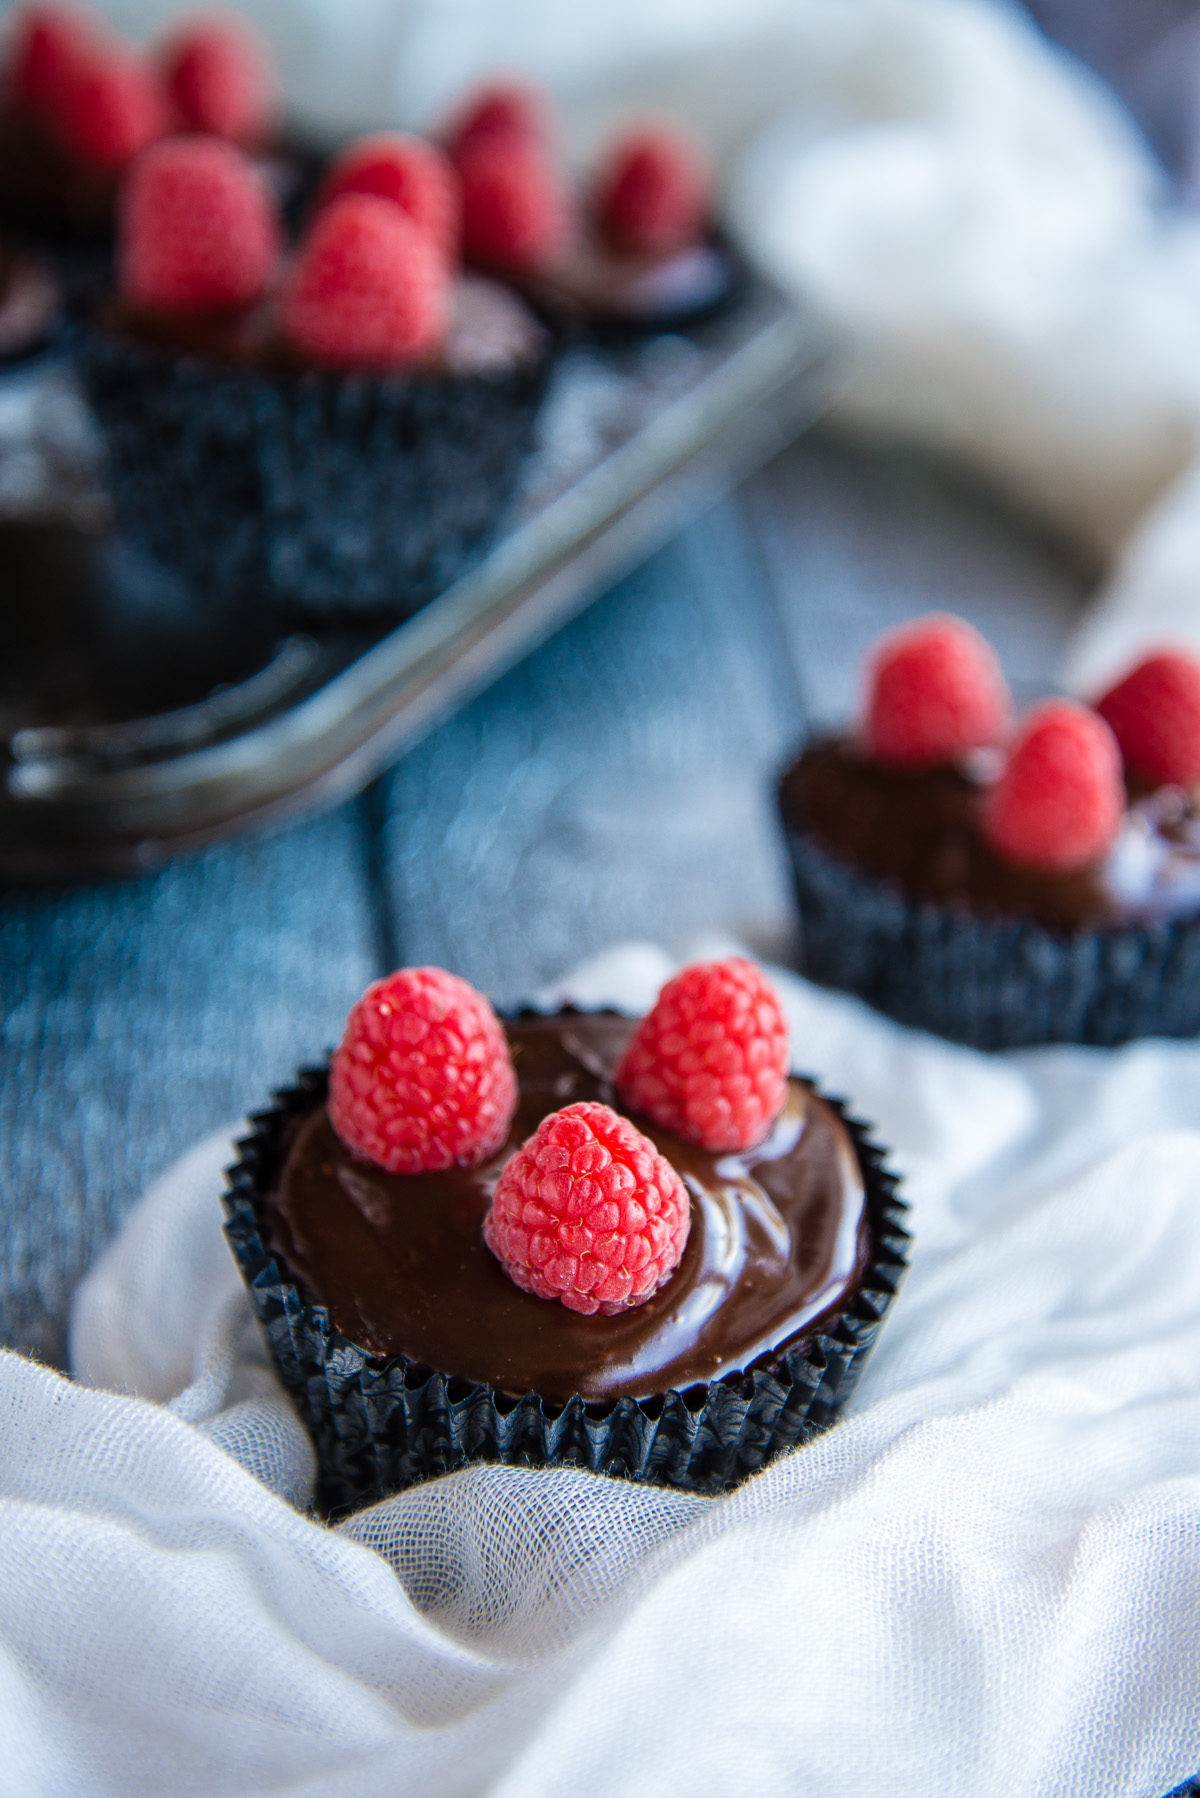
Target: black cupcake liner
(381, 1424)
(328, 496)
(993, 983)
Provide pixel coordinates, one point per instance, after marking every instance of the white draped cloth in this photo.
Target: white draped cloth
(984, 1581)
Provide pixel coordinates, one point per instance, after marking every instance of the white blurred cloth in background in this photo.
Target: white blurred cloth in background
(984, 1584)
(971, 209)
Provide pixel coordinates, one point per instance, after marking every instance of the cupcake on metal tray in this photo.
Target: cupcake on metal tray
(332, 432)
(563, 1238)
(1005, 883)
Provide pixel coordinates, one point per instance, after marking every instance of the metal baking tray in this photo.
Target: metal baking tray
(134, 724)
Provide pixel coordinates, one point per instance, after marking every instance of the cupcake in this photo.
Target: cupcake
(563, 1238)
(1004, 884)
(77, 104)
(333, 433)
(635, 251)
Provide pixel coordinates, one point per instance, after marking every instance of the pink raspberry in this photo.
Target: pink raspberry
(368, 290)
(515, 209)
(710, 1061)
(412, 174)
(1154, 713)
(110, 105)
(934, 692)
(219, 72)
(502, 108)
(588, 1212)
(47, 47)
(1058, 803)
(422, 1079)
(653, 192)
(197, 228)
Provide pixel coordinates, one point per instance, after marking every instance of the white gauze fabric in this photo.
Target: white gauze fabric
(985, 1581)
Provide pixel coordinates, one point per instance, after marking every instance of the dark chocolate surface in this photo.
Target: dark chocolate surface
(591, 283)
(919, 828)
(400, 1262)
(490, 330)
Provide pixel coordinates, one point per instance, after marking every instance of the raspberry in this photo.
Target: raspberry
(110, 106)
(220, 76)
(407, 171)
(934, 691)
(1059, 801)
(503, 108)
(368, 290)
(48, 46)
(588, 1212)
(515, 209)
(198, 229)
(710, 1061)
(422, 1078)
(1154, 713)
(652, 192)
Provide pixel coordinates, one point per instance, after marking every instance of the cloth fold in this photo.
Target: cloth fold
(984, 1581)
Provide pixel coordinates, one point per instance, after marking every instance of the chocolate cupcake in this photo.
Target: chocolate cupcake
(335, 436)
(1001, 889)
(636, 252)
(420, 1321)
(77, 103)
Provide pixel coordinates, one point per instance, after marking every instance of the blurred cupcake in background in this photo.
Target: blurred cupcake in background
(633, 247)
(1004, 883)
(332, 430)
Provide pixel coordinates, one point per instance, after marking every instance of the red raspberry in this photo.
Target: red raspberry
(934, 692)
(422, 1078)
(1154, 713)
(110, 106)
(710, 1061)
(515, 210)
(198, 230)
(48, 46)
(653, 192)
(220, 74)
(1059, 801)
(504, 108)
(368, 290)
(407, 171)
(588, 1212)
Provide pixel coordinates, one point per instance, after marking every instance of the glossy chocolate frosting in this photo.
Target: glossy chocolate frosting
(778, 1236)
(919, 828)
(591, 283)
(489, 330)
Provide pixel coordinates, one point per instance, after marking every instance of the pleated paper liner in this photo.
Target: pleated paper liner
(332, 497)
(994, 983)
(381, 1424)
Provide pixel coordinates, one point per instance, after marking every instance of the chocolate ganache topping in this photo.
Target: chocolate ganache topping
(490, 330)
(778, 1236)
(919, 828)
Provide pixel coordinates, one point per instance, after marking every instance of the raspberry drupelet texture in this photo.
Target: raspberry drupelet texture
(934, 692)
(422, 1079)
(710, 1061)
(652, 192)
(220, 75)
(412, 174)
(197, 228)
(588, 1212)
(110, 105)
(1154, 713)
(515, 210)
(369, 290)
(49, 44)
(1058, 804)
(501, 109)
